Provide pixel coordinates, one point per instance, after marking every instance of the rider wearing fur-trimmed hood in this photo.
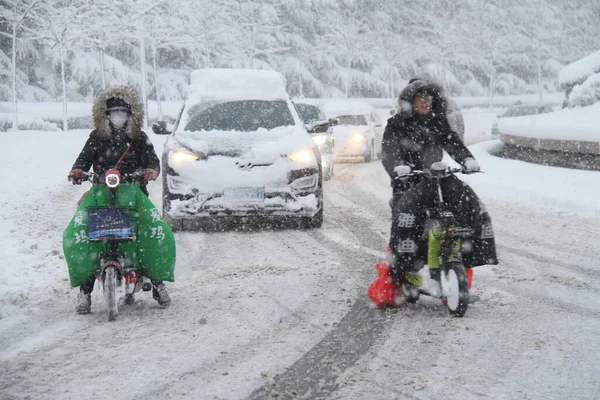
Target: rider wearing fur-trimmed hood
(414, 139)
(117, 140)
(418, 138)
(420, 86)
(114, 98)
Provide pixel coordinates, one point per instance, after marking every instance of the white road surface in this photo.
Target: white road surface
(284, 313)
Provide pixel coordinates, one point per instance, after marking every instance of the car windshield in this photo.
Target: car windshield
(358, 120)
(242, 116)
(519, 111)
(309, 113)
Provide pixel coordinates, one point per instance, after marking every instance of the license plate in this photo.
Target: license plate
(252, 194)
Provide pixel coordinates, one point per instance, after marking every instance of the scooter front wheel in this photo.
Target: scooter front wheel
(455, 289)
(110, 293)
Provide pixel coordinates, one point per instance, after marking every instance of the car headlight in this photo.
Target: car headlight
(304, 183)
(319, 139)
(358, 137)
(304, 156)
(180, 156)
(178, 185)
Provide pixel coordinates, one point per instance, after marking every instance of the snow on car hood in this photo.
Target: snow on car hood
(242, 159)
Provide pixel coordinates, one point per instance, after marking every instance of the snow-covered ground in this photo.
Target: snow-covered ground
(285, 312)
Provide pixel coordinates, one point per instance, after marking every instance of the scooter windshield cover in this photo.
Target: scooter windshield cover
(109, 223)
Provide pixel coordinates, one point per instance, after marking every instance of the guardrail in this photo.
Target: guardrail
(559, 153)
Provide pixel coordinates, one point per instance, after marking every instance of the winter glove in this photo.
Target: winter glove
(150, 175)
(402, 170)
(471, 165)
(75, 176)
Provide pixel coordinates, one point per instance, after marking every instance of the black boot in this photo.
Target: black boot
(160, 293)
(84, 298)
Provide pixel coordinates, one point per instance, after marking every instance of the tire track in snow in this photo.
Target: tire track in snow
(314, 376)
(296, 244)
(317, 374)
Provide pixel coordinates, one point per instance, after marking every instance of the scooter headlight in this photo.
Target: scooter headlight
(112, 178)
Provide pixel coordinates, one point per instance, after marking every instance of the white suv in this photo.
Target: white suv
(239, 152)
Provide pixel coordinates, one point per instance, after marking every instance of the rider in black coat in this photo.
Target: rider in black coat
(415, 138)
(125, 144)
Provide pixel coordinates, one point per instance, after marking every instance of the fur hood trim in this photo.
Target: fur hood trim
(409, 92)
(134, 123)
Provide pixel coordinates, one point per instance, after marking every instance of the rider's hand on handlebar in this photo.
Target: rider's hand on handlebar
(471, 165)
(150, 175)
(402, 170)
(76, 176)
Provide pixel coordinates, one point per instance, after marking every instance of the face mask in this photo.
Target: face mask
(118, 119)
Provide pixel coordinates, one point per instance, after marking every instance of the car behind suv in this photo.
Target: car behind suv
(322, 134)
(359, 130)
(239, 152)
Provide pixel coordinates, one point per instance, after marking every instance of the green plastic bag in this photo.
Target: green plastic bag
(152, 251)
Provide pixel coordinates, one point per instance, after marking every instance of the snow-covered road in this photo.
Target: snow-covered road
(284, 312)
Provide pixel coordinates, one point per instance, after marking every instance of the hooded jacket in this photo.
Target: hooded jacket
(106, 145)
(419, 140)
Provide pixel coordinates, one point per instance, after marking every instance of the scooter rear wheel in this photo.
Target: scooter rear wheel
(455, 289)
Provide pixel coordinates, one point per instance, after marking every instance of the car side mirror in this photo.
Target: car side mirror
(333, 121)
(160, 128)
(320, 127)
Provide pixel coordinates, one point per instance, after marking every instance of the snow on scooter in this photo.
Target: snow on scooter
(443, 276)
(118, 236)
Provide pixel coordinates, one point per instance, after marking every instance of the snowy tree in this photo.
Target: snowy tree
(323, 47)
(214, 34)
(101, 31)
(344, 40)
(61, 30)
(540, 27)
(256, 25)
(300, 35)
(133, 28)
(18, 13)
(167, 27)
(495, 36)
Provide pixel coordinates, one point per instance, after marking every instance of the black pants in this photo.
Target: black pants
(408, 244)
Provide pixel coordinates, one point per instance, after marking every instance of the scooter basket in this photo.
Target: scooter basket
(109, 223)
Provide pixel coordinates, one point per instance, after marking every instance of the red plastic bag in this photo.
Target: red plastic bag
(383, 290)
(469, 272)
